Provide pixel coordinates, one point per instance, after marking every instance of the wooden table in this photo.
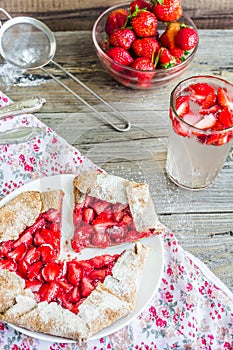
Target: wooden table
(202, 220)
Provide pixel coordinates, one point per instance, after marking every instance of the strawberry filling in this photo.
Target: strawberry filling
(34, 256)
(101, 224)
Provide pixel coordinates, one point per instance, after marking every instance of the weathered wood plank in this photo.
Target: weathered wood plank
(80, 15)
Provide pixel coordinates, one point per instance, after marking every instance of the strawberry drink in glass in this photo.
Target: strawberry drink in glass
(201, 130)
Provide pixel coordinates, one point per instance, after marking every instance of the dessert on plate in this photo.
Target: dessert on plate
(41, 291)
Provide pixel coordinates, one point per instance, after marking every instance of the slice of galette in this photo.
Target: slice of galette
(41, 292)
(110, 210)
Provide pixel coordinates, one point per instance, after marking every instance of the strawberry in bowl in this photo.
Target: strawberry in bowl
(130, 40)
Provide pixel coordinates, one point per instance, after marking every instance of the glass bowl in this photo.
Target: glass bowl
(128, 76)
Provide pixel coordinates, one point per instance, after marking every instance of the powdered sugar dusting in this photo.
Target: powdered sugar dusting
(12, 75)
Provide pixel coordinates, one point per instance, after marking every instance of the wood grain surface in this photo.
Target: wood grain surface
(81, 14)
(202, 220)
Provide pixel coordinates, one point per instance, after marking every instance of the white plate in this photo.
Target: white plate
(153, 267)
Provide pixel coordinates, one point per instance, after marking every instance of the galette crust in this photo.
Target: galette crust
(110, 300)
(116, 189)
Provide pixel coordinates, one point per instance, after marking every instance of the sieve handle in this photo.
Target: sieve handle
(115, 111)
(32, 104)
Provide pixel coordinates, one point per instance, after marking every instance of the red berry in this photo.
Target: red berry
(167, 10)
(186, 39)
(122, 37)
(120, 55)
(146, 47)
(116, 19)
(143, 64)
(144, 24)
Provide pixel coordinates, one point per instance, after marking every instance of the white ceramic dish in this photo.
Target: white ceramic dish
(153, 267)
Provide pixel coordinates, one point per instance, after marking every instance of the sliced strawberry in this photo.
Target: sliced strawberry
(117, 216)
(88, 215)
(74, 273)
(211, 110)
(74, 295)
(48, 237)
(199, 92)
(86, 266)
(64, 284)
(101, 206)
(224, 99)
(103, 260)
(33, 285)
(217, 139)
(48, 291)
(34, 270)
(32, 255)
(64, 300)
(210, 100)
(103, 220)
(47, 253)
(126, 220)
(8, 264)
(207, 123)
(226, 117)
(18, 253)
(22, 268)
(51, 271)
(38, 240)
(25, 237)
(77, 247)
(182, 105)
(6, 247)
(98, 275)
(86, 287)
(100, 239)
(116, 233)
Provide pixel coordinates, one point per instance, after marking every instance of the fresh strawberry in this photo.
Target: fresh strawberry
(116, 19)
(207, 123)
(123, 37)
(167, 39)
(64, 284)
(186, 39)
(88, 215)
(167, 10)
(224, 99)
(86, 287)
(51, 271)
(182, 105)
(143, 64)
(22, 268)
(165, 58)
(6, 247)
(120, 55)
(140, 4)
(18, 253)
(226, 117)
(74, 273)
(146, 47)
(144, 23)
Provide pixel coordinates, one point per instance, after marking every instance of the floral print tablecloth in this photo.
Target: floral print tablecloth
(192, 308)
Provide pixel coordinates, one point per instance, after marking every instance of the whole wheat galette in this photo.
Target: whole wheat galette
(73, 298)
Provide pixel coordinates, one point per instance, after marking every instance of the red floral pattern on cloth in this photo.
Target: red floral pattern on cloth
(192, 308)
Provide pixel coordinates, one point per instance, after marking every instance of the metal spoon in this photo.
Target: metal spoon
(19, 135)
(32, 104)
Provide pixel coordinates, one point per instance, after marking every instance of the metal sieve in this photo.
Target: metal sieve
(28, 43)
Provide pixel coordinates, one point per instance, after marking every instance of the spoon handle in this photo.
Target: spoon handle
(32, 104)
(18, 135)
